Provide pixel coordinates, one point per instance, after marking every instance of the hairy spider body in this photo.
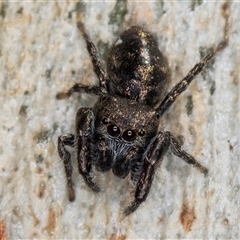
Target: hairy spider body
(120, 133)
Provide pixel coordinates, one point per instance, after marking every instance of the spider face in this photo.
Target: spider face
(123, 129)
(120, 132)
(126, 120)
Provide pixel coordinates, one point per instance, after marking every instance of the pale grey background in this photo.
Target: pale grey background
(42, 52)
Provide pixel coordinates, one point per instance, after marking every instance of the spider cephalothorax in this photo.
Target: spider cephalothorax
(120, 132)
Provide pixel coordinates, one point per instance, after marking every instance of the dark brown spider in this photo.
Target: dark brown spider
(121, 131)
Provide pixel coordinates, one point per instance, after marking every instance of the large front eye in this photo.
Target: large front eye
(129, 135)
(113, 130)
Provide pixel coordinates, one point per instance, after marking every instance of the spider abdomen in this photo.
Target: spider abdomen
(136, 67)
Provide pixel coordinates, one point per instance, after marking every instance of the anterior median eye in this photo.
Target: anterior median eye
(113, 130)
(129, 135)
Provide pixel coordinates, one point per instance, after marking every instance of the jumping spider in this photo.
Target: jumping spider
(121, 131)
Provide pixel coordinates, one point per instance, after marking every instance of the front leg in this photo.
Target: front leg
(84, 130)
(154, 157)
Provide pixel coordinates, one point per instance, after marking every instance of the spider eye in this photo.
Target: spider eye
(129, 135)
(141, 132)
(105, 120)
(113, 130)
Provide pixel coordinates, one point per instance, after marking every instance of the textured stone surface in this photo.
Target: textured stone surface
(42, 52)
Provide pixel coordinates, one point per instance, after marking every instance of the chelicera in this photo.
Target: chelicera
(120, 132)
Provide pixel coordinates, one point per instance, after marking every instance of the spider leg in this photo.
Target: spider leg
(97, 67)
(183, 84)
(80, 88)
(176, 150)
(153, 158)
(92, 50)
(84, 130)
(67, 140)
